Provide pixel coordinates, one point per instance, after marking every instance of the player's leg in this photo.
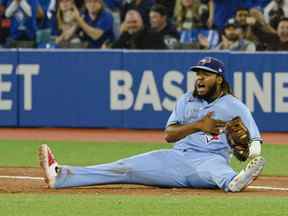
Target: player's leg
(215, 171)
(159, 168)
(246, 176)
(209, 170)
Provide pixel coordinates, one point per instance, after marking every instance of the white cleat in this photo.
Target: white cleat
(48, 164)
(247, 175)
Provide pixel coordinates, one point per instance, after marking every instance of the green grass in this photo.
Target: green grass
(24, 153)
(37, 204)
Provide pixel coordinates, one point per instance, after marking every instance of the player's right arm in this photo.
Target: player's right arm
(178, 128)
(175, 132)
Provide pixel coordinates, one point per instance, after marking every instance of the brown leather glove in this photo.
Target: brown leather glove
(238, 138)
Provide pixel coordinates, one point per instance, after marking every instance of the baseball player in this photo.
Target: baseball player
(200, 156)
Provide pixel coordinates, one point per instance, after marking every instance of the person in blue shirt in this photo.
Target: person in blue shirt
(22, 14)
(96, 24)
(200, 156)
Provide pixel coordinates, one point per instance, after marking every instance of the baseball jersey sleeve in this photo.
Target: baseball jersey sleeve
(249, 122)
(177, 116)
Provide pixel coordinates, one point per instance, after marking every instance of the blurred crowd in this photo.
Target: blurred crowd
(237, 25)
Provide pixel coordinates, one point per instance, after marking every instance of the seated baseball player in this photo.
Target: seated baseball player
(207, 125)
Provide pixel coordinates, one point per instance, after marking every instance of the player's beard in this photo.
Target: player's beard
(209, 96)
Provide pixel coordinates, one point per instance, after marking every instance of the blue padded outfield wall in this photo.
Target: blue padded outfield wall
(129, 89)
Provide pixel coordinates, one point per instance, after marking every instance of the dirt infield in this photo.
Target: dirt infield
(263, 186)
(116, 135)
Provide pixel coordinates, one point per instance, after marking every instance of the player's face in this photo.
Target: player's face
(206, 83)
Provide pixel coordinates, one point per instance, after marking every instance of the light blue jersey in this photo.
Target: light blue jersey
(190, 109)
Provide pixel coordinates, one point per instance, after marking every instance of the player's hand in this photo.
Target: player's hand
(211, 126)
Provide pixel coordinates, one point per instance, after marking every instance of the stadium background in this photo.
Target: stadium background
(122, 89)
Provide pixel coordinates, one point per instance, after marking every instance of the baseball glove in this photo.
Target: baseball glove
(238, 138)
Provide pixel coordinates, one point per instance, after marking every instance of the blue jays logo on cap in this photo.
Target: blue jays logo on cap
(209, 64)
(204, 61)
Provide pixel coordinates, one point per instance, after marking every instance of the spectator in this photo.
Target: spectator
(22, 14)
(52, 7)
(160, 24)
(232, 39)
(241, 16)
(187, 14)
(195, 13)
(272, 41)
(97, 24)
(143, 6)
(134, 35)
(44, 29)
(195, 32)
(4, 27)
(64, 26)
(114, 7)
(259, 17)
(275, 11)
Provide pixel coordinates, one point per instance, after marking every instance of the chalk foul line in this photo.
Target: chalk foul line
(22, 177)
(268, 188)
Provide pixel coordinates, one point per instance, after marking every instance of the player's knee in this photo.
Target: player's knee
(121, 168)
